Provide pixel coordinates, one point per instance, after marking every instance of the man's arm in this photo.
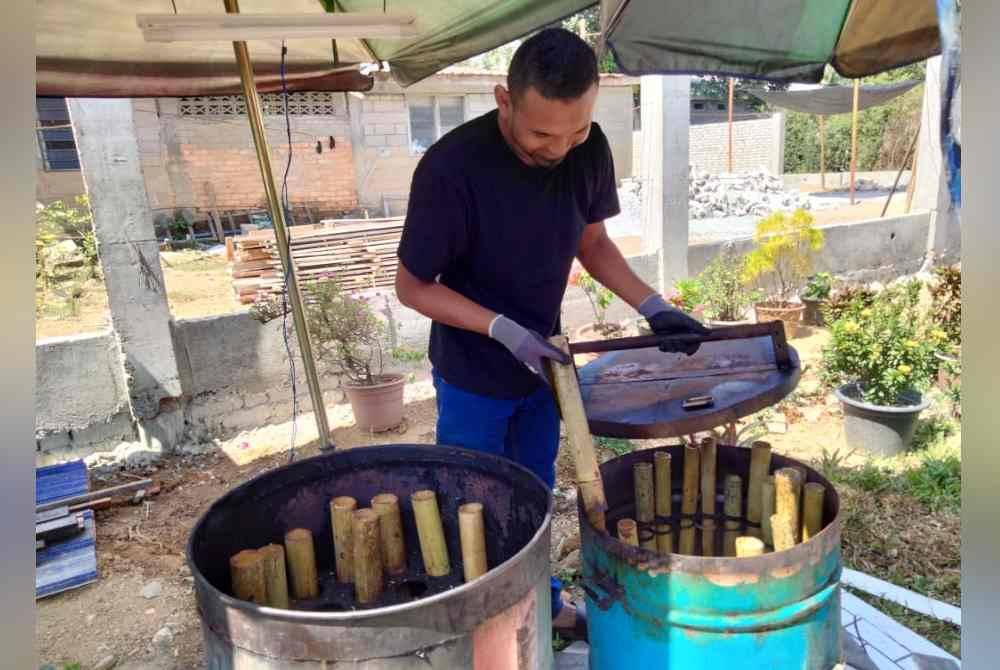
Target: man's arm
(440, 303)
(602, 259)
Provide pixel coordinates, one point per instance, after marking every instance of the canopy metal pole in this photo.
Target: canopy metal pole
(822, 152)
(255, 115)
(730, 125)
(854, 136)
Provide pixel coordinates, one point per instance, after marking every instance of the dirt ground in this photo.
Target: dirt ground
(139, 544)
(198, 284)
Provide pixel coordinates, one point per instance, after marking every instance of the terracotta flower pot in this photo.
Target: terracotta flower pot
(790, 313)
(378, 407)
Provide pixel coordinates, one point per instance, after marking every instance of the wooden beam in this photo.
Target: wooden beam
(95, 495)
(243, 27)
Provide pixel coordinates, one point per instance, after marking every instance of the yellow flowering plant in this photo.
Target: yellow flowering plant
(885, 346)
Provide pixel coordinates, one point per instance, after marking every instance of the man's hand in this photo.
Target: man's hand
(527, 346)
(666, 320)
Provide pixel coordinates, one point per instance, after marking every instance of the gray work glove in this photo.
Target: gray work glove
(665, 319)
(527, 346)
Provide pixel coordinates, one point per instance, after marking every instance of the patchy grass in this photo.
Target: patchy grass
(946, 635)
(901, 522)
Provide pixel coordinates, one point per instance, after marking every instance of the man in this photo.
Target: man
(498, 209)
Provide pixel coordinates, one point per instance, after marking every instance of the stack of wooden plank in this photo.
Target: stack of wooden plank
(358, 253)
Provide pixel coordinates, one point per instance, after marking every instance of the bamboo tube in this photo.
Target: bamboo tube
(747, 546)
(664, 535)
(430, 533)
(275, 577)
(473, 536)
(766, 510)
(246, 569)
(784, 532)
(709, 462)
(812, 509)
(733, 508)
(341, 518)
(386, 505)
(588, 475)
(301, 563)
(760, 465)
(689, 497)
(368, 578)
(642, 479)
(787, 493)
(628, 532)
(803, 474)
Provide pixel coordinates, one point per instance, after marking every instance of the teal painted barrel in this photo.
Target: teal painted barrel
(673, 612)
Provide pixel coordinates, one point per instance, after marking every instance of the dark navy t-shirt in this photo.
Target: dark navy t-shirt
(504, 235)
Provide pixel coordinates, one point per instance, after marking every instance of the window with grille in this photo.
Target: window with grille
(431, 118)
(55, 135)
(299, 104)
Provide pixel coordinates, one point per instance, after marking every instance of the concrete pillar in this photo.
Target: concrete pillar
(931, 187)
(355, 114)
(666, 115)
(109, 159)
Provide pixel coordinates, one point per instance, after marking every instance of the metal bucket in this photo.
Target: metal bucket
(501, 620)
(645, 610)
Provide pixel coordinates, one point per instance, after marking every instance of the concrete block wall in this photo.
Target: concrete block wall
(235, 374)
(81, 401)
(386, 164)
(757, 144)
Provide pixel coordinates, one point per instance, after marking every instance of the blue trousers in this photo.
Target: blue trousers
(525, 431)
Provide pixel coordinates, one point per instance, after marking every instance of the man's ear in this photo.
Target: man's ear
(504, 100)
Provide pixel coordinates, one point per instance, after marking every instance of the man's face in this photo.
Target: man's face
(542, 131)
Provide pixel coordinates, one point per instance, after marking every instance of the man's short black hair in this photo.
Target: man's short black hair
(556, 62)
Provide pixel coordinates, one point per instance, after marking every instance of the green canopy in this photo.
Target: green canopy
(93, 47)
(769, 39)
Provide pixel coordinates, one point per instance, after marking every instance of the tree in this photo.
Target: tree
(717, 88)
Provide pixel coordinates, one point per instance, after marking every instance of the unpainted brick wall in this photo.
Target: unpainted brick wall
(219, 159)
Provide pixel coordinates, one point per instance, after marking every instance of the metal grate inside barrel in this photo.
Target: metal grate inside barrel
(392, 556)
(716, 556)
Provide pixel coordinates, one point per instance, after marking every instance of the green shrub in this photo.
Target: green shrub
(946, 301)
(782, 257)
(724, 293)
(886, 347)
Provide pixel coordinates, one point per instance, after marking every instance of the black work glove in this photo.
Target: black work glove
(527, 346)
(664, 319)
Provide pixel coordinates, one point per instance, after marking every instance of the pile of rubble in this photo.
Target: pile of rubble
(717, 196)
(756, 193)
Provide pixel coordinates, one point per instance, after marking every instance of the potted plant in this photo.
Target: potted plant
(600, 298)
(688, 295)
(348, 336)
(880, 360)
(780, 263)
(814, 297)
(726, 297)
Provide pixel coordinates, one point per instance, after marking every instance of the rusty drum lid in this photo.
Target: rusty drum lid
(639, 393)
